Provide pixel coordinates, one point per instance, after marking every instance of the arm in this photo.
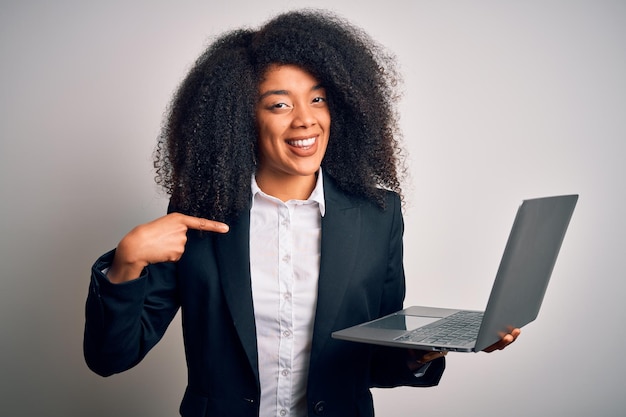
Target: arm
(124, 321)
(396, 366)
(133, 295)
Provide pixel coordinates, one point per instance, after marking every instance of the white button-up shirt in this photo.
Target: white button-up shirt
(285, 261)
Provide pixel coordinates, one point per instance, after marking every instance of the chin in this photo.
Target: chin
(308, 170)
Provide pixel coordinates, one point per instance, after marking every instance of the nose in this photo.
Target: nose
(303, 116)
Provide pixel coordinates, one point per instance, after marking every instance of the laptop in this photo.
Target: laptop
(516, 296)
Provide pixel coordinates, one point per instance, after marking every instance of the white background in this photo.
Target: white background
(503, 101)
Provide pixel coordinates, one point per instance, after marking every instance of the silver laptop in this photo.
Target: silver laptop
(516, 295)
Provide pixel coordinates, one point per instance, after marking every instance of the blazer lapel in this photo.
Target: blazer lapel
(234, 268)
(340, 235)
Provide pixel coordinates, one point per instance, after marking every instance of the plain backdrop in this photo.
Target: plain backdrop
(503, 100)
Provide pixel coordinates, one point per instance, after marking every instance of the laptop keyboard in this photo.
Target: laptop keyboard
(458, 329)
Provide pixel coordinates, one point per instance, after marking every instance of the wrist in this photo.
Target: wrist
(421, 369)
(124, 271)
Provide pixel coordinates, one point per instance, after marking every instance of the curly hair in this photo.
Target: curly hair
(207, 151)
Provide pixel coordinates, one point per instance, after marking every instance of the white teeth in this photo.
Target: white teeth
(302, 143)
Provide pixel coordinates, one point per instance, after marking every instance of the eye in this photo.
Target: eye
(319, 100)
(280, 107)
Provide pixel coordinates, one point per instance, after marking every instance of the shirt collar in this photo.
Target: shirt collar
(316, 196)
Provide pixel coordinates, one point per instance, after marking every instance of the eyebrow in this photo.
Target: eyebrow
(285, 92)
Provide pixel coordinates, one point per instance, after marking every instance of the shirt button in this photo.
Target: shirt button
(286, 333)
(285, 372)
(287, 296)
(283, 412)
(286, 258)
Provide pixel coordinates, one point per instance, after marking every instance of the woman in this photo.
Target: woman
(286, 139)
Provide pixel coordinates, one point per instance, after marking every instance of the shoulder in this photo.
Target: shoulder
(390, 201)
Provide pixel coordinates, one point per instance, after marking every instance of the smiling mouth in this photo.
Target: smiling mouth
(302, 143)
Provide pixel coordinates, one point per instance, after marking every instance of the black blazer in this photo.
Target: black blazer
(361, 278)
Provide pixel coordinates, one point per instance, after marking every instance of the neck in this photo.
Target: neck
(287, 187)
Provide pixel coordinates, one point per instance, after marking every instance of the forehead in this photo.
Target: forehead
(287, 74)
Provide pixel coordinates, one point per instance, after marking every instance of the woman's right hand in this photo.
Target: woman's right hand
(161, 240)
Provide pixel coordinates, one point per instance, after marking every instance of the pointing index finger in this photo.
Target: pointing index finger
(199, 223)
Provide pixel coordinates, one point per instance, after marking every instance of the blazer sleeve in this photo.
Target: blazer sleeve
(124, 321)
(390, 365)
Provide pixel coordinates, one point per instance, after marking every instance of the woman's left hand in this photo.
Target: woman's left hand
(506, 340)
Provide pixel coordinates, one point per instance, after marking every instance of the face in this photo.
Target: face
(293, 124)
